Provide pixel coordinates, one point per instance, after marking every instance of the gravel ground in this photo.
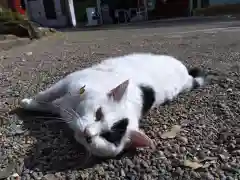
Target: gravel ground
(207, 146)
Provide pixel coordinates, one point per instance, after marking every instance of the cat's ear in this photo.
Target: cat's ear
(139, 139)
(117, 93)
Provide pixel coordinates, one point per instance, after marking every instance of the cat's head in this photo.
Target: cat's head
(106, 123)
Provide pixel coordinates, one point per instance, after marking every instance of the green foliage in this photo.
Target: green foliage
(16, 24)
(8, 15)
(19, 25)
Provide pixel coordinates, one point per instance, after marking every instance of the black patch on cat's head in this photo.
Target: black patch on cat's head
(117, 132)
(148, 98)
(196, 72)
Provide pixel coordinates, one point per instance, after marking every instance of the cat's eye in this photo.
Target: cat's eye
(99, 114)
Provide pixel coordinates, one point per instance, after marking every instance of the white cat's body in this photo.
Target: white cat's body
(114, 85)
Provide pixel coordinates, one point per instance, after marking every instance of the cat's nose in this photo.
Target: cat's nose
(88, 139)
(88, 135)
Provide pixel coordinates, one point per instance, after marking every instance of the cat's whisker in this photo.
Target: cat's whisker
(65, 110)
(55, 119)
(71, 112)
(88, 158)
(76, 114)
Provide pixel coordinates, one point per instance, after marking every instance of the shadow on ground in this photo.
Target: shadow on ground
(55, 148)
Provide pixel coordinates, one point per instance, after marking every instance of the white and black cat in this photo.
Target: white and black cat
(110, 98)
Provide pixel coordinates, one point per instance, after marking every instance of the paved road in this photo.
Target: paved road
(209, 117)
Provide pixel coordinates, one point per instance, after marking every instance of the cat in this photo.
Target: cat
(103, 104)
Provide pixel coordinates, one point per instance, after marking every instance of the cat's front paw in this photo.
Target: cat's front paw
(26, 103)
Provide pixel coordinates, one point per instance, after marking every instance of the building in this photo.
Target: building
(4, 3)
(51, 13)
(219, 2)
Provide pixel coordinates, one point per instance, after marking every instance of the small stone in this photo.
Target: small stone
(100, 171)
(58, 175)
(209, 176)
(145, 177)
(123, 173)
(201, 154)
(229, 90)
(70, 176)
(236, 153)
(36, 176)
(28, 53)
(183, 139)
(161, 153)
(3, 57)
(227, 167)
(145, 164)
(175, 148)
(84, 175)
(49, 177)
(231, 146)
(223, 157)
(179, 171)
(111, 166)
(230, 178)
(15, 176)
(195, 175)
(129, 163)
(182, 149)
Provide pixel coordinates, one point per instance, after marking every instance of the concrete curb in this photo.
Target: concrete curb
(184, 20)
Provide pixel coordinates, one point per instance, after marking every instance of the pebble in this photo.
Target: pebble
(111, 167)
(131, 177)
(49, 177)
(179, 171)
(146, 177)
(183, 139)
(28, 53)
(209, 176)
(202, 155)
(129, 163)
(16, 130)
(71, 176)
(161, 153)
(229, 90)
(182, 149)
(36, 176)
(84, 175)
(145, 164)
(236, 153)
(123, 173)
(14, 176)
(230, 178)
(196, 175)
(100, 171)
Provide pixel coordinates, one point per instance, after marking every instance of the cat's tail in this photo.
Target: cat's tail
(199, 77)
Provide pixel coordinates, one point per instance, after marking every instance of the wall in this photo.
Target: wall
(213, 2)
(170, 9)
(4, 3)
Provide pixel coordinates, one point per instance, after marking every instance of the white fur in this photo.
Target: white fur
(165, 74)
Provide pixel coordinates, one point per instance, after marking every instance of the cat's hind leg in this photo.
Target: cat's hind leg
(42, 101)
